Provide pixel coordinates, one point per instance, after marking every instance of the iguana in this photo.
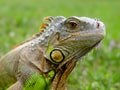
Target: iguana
(56, 49)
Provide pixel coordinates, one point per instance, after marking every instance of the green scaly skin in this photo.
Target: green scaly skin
(29, 65)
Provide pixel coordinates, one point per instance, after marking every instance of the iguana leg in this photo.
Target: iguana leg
(17, 86)
(22, 72)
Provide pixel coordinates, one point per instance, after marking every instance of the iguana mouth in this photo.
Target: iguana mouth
(82, 35)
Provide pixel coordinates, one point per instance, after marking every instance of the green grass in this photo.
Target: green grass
(98, 71)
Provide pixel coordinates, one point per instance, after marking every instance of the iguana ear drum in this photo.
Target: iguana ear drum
(57, 56)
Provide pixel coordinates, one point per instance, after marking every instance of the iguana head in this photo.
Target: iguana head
(73, 37)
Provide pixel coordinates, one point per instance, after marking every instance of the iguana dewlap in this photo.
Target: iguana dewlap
(60, 44)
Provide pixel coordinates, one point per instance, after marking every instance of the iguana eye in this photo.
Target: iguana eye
(72, 25)
(57, 56)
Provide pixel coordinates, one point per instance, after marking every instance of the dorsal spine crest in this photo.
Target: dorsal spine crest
(43, 39)
(43, 28)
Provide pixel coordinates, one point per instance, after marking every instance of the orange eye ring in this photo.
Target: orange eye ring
(57, 56)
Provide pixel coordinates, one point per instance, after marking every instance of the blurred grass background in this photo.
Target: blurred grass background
(98, 71)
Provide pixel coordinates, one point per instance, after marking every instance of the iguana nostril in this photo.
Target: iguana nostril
(56, 56)
(98, 25)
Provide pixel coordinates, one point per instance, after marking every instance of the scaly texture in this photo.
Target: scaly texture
(60, 44)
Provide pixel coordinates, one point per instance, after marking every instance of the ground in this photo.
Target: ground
(100, 70)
